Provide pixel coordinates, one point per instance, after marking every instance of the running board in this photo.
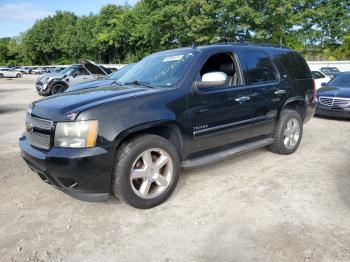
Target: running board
(217, 156)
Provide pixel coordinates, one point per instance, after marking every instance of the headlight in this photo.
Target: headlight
(76, 134)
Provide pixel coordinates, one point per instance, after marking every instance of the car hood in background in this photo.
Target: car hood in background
(57, 108)
(90, 84)
(52, 75)
(334, 91)
(93, 68)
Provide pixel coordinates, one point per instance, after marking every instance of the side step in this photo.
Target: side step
(220, 155)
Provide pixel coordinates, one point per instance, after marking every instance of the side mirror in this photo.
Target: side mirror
(75, 74)
(212, 79)
(324, 84)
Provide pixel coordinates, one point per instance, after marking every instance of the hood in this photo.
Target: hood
(334, 91)
(90, 84)
(52, 75)
(93, 68)
(57, 108)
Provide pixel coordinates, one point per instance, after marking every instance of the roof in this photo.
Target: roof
(235, 44)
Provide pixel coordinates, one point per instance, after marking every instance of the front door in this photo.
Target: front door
(220, 115)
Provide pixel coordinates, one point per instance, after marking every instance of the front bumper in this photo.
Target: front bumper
(43, 89)
(327, 111)
(84, 174)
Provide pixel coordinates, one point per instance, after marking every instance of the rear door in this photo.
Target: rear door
(268, 92)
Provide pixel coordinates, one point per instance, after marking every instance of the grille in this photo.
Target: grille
(327, 101)
(39, 140)
(39, 123)
(334, 101)
(341, 102)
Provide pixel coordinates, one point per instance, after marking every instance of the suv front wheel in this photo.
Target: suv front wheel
(146, 172)
(58, 88)
(288, 133)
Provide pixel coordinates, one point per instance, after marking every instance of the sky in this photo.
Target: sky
(17, 16)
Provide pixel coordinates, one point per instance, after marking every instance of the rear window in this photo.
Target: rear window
(294, 65)
(260, 68)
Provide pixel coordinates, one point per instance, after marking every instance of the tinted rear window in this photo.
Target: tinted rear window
(260, 68)
(294, 65)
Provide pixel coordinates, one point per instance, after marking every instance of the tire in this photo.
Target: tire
(57, 89)
(18, 76)
(1, 76)
(130, 158)
(286, 138)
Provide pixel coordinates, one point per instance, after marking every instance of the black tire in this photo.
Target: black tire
(1, 76)
(18, 76)
(125, 158)
(58, 88)
(278, 145)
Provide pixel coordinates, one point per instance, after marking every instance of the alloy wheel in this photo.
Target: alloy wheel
(151, 173)
(291, 133)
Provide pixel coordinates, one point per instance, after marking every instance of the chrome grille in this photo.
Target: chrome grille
(39, 140)
(341, 102)
(39, 123)
(326, 101)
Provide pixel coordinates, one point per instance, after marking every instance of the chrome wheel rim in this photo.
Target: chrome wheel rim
(291, 133)
(151, 173)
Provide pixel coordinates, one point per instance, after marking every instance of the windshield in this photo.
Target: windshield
(116, 75)
(341, 80)
(68, 70)
(160, 70)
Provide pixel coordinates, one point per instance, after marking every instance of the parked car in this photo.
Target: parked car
(179, 108)
(333, 99)
(39, 70)
(330, 71)
(112, 79)
(320, 78)
(7, 72)
(28, 69)
(57, 82)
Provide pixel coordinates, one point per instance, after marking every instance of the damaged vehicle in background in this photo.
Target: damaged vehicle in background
(57, 82)
(110, 80)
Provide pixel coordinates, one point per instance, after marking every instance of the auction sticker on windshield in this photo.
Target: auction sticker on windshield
(173, 58)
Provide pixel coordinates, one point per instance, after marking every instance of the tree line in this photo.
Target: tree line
(319, 29)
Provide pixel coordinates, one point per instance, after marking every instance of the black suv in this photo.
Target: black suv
(179, 108)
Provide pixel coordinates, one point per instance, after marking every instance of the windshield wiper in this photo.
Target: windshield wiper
(115, 82)
(139, 83)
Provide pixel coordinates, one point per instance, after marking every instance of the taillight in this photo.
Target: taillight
(314, 91)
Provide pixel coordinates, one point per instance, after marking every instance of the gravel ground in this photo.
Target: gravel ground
(255, 207)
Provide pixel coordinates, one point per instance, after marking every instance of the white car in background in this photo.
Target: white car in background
(7, 72)
(320, 78)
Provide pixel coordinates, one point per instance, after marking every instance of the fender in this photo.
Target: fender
(168, 128)
(292, 100)
(56, 81)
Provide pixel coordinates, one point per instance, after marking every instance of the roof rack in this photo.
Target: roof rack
(241, 42)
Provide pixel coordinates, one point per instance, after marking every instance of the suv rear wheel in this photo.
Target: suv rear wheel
(146, 172)
(288, 133)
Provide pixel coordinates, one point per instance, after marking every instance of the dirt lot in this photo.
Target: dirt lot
(255, 207)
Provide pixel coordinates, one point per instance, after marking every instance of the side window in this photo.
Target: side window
(295, 65)
(82, 71)
(260, 68)
(318, 75)
(225, 63)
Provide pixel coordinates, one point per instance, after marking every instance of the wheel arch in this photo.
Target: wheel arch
(298, 104)
(51, 85)
(170, 130)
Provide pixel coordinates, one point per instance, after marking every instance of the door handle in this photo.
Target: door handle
(242, 99)
(280, 92)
